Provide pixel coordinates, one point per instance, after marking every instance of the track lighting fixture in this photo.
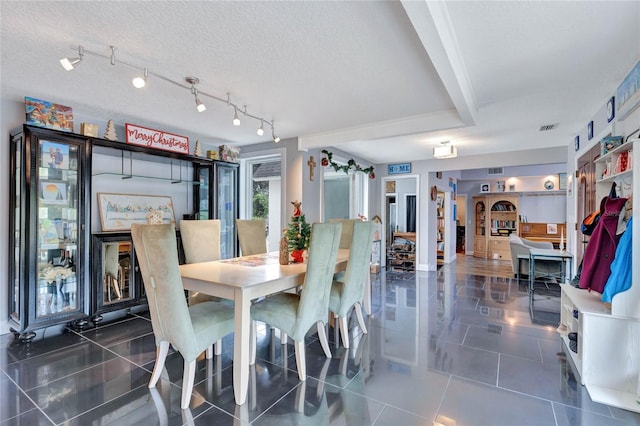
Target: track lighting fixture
(113, 55)
(70, 63)
(193, 81)
(275, 137)
(141, 81)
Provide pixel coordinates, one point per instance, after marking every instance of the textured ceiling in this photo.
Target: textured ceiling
(382, 80)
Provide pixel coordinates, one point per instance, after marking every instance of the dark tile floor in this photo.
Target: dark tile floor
(443, 348)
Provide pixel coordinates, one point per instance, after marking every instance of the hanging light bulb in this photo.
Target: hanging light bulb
(236, 120)
(193, 81)
(260, 131)
(140, 82)
(275, 137)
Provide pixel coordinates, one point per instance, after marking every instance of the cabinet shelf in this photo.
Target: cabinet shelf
(125, 176)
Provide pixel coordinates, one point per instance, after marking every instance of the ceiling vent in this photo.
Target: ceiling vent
(495, 171)
(547, 127)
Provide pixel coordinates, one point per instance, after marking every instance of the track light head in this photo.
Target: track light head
(113, 55)
(236, 120)
(140, 82)
(193, 81)
(275, 137)
(260, 131)
(70, 63)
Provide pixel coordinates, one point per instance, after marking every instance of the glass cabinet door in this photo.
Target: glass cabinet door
(226, 188)
(57, 219)
(203, 176)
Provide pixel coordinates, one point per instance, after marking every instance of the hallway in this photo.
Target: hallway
(444, 348)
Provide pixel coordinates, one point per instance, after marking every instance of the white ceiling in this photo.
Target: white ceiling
(385, 81)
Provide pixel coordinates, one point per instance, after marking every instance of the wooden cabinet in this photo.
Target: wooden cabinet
(480, 227)
(503, 221)
(608, 336)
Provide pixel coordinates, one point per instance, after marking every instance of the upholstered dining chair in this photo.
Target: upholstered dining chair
(349, 290)
(347, 231)
(295, 314)
(200, 240)
(191, 330)
(252, 236)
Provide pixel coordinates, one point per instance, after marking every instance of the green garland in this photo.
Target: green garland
(351, 165)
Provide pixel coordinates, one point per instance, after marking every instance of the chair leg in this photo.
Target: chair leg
(187, 383)
(358, 309)
(322, 335)
(300, 359)
(161, 355)
(253, 331)
(344, 331)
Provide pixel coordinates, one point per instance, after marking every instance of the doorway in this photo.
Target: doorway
(401, 216)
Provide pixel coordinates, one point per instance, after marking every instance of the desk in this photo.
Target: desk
(548, 254)
(243, 279)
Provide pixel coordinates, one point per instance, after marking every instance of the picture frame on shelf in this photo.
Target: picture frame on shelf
(54, 155)
(119, 211)
(485, 187)
(48, 114)
(53, 192)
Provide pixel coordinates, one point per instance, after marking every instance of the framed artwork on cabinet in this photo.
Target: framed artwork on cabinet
(53, 192)
(119, 211)
(54, 155)
(485, 187)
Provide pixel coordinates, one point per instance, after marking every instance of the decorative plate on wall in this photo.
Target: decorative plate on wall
(548, 185)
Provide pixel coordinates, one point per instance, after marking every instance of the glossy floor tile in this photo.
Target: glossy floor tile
(443, 348)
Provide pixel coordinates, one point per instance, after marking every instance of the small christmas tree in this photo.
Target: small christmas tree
(197, 151)
(110, 131)
(299, 231)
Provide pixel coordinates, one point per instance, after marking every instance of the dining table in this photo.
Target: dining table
(243, 279)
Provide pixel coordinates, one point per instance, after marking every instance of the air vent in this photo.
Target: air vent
(495, 171)
(547, 127)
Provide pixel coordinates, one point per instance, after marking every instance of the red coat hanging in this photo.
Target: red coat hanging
(599, 253)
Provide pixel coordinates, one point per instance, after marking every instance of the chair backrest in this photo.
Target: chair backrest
(110, 263)
(252, 236)
(200, 240)
(157, 253)
(321, 264)
(347, 231)
(358, 267)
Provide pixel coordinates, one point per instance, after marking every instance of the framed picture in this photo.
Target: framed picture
(552, 228)
(485, 187)
(590, 130)
(576, 143)
(611, 109)
(53, 192)
(562, 181)
(47, 114)
(54, 155)
(119, 211)
(390, 186)
(628, 93)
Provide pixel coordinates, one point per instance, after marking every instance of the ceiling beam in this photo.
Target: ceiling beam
(433, 26)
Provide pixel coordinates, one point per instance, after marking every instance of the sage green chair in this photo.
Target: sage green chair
(295, 314)
(191, 330)
(348, 292)
(252, 236)
(200, 240)
(347, 231)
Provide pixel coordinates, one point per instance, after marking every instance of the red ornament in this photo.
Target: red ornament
(324, 162)
(372, 175)
(297, 256)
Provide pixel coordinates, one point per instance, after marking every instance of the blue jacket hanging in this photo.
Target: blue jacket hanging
(620, 278)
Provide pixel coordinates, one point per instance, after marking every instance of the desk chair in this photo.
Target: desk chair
(348, 292)
(295, 314)
(252, 236)
(189, 329)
